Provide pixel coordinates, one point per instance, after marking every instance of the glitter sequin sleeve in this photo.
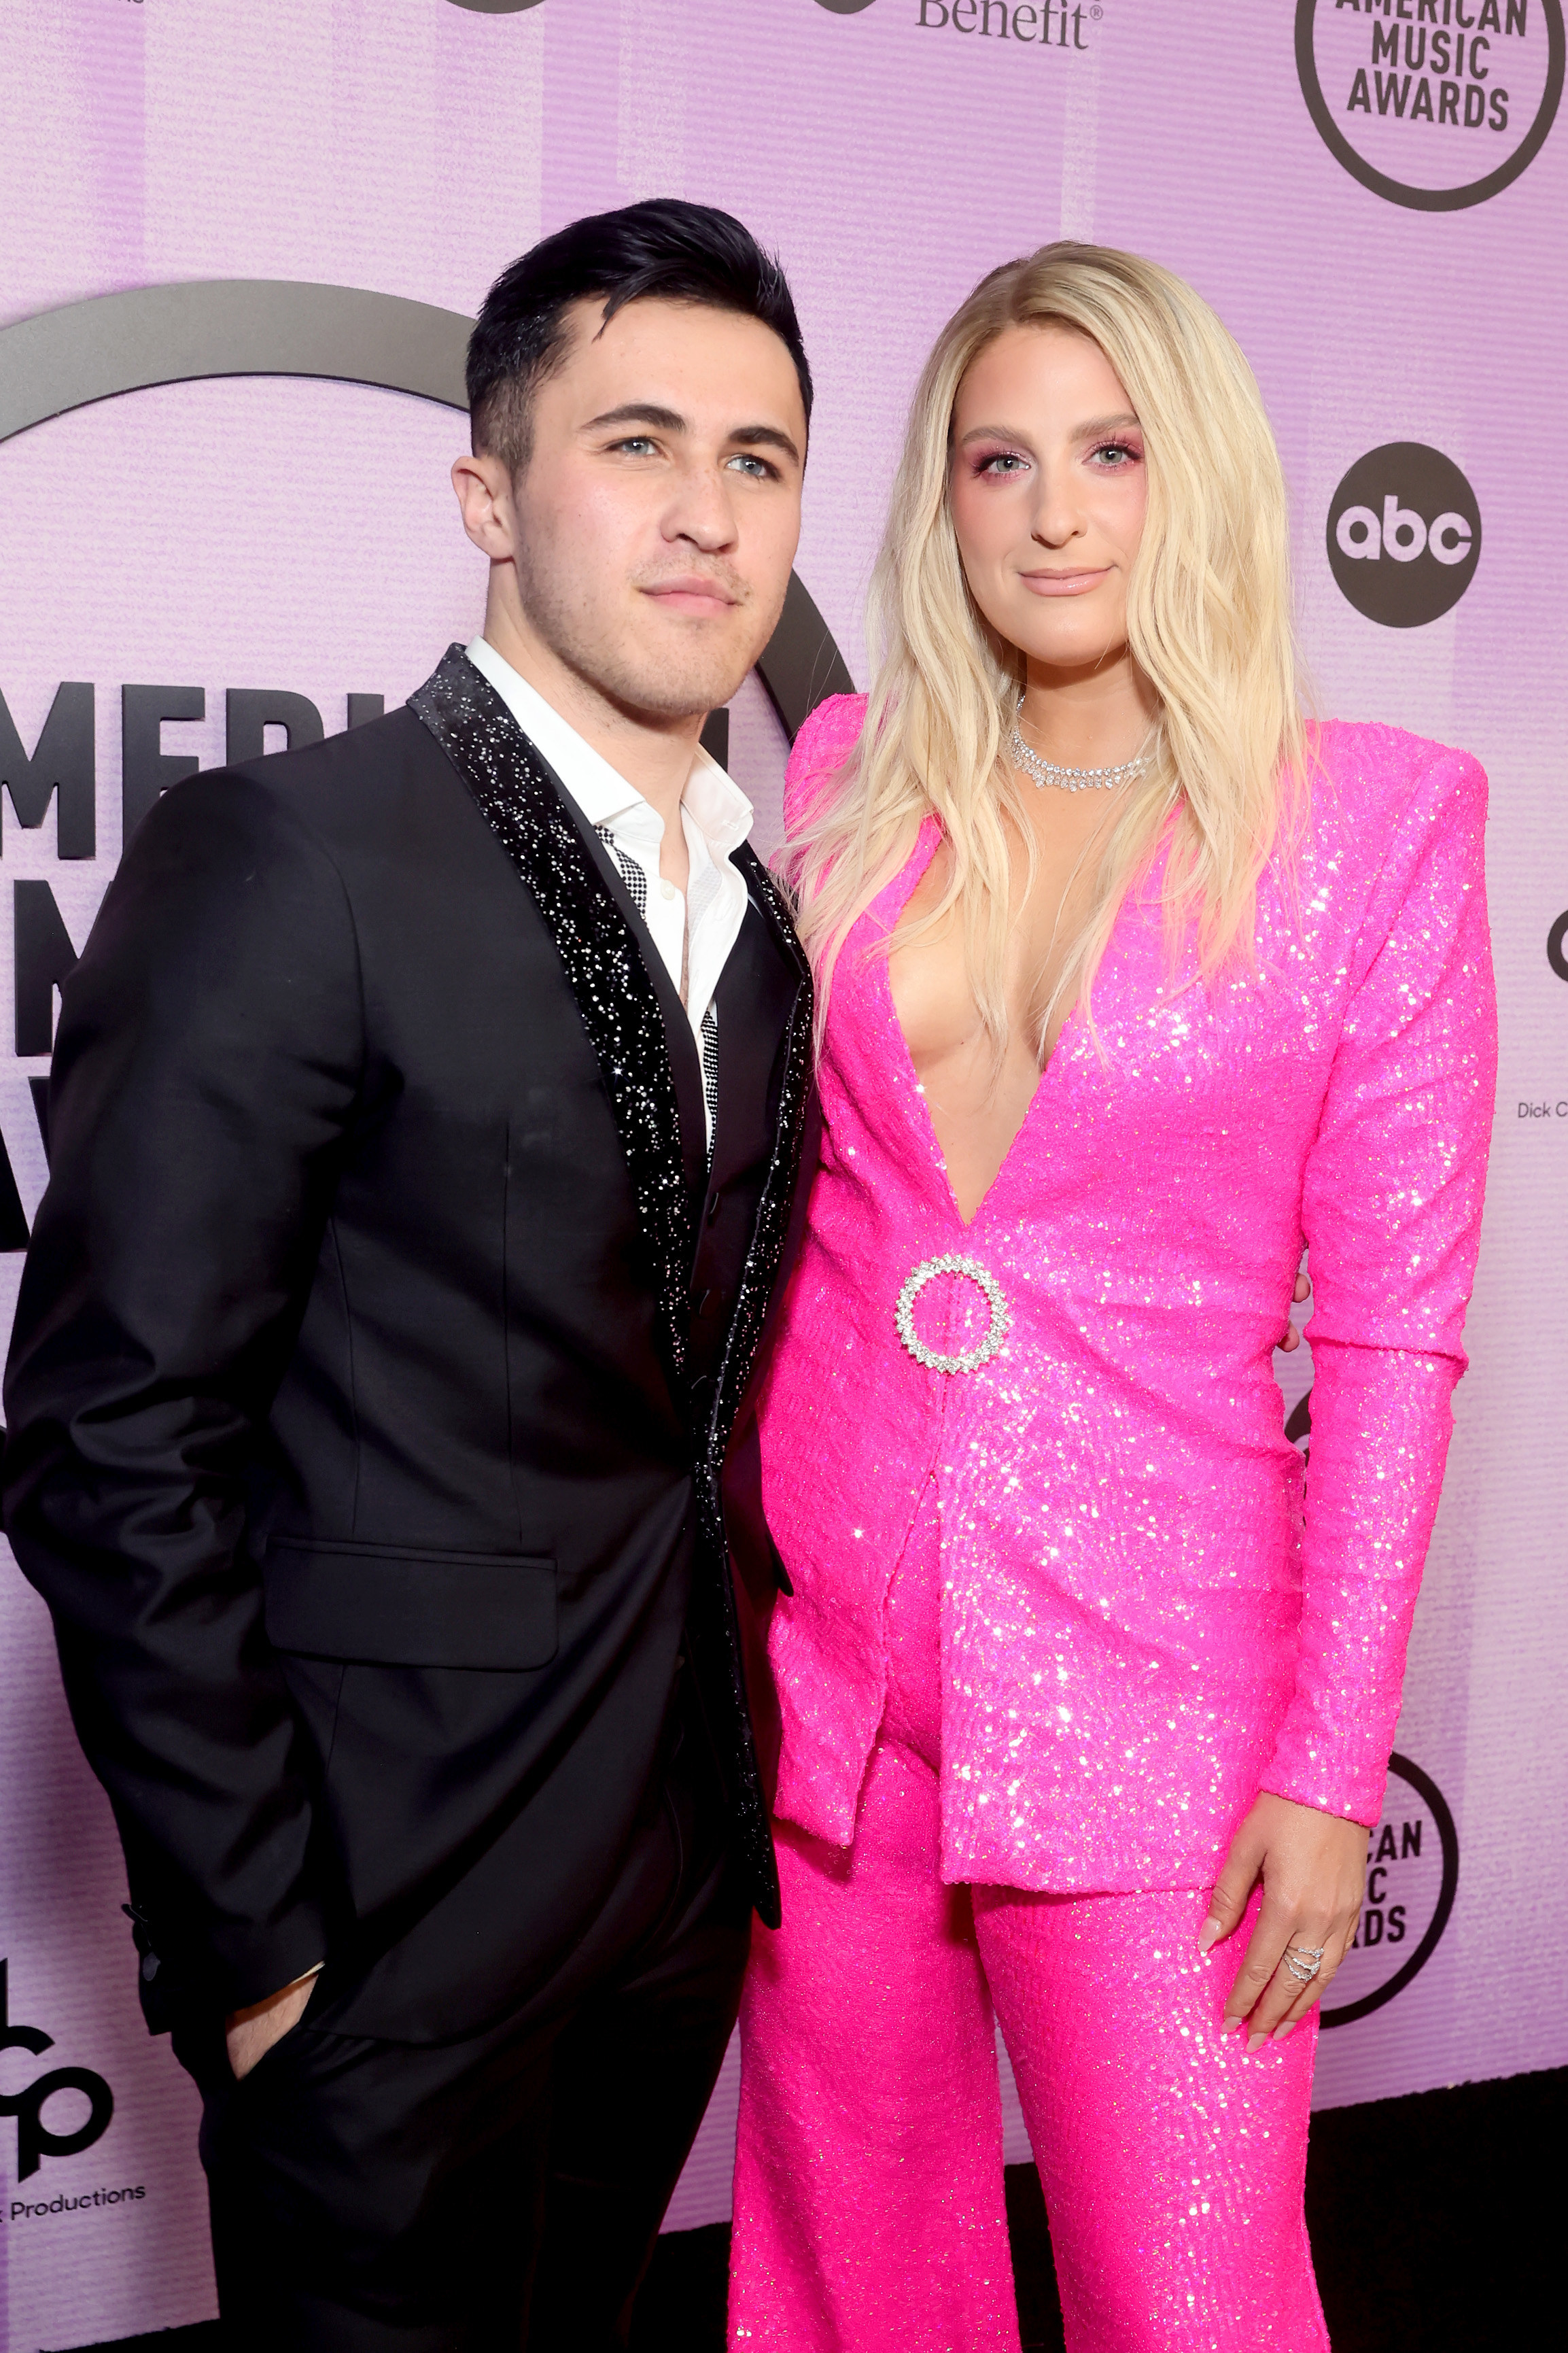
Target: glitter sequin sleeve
(1391, 1209)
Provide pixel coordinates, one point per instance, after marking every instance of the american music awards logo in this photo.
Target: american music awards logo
(1434, 104)
(1411, 1874)
(114, 343)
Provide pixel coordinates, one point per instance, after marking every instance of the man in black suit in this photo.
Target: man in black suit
(426, 1119)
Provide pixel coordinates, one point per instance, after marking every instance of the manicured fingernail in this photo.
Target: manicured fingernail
(1226, 2023)
(1289, 2028)
(1257, 2044)
(1207, 1935)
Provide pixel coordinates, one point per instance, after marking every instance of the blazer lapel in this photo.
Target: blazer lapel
(686, 1067)
(771, 1229)
(583, 905)
(719, 1638)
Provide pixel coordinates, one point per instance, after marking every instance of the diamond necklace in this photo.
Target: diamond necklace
(1041, 771)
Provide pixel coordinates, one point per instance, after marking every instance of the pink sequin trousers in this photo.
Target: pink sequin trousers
(870, 2215)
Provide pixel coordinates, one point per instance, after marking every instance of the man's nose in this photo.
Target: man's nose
(703, 509)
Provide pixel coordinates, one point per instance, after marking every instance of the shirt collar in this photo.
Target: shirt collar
(711, 798)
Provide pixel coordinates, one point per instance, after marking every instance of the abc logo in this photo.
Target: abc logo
(1405, 535)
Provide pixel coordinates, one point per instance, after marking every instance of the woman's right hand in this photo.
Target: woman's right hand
(1292, 1334)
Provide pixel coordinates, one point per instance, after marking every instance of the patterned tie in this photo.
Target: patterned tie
(635, 880)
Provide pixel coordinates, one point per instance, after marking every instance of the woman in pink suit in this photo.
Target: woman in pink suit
(1133, 983)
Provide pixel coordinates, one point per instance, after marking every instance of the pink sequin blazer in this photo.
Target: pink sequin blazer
(1147, 1614)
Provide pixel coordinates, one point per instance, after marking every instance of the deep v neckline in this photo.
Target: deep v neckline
(895, 901)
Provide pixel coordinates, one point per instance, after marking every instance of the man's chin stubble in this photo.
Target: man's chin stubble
(681, 681)
(674, 682)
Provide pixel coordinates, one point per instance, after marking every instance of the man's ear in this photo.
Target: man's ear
(483, 485)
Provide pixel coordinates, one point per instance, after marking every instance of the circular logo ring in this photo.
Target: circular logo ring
(969, 1359)
(108, 344)
(1398, 192)
(1448, 1836)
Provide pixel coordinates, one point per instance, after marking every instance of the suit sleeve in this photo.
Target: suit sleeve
(1392, 1209)
(206, 1068)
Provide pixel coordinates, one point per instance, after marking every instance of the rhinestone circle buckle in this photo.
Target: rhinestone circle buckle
(972, 1359)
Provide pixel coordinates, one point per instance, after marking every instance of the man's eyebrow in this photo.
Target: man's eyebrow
(640, 412)
(669, 420)
(764, 436)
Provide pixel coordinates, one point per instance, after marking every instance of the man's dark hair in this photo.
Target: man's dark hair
(666, 247)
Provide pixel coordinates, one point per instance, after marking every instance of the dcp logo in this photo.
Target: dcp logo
(844, 7)
(1557, 947)
(1405, 535)
(34, 2138)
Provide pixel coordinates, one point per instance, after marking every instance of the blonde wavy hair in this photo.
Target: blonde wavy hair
(1209, 618)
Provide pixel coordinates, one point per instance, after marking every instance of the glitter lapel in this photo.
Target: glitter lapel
(712, 1630)
(620, 1008)
(771, 1230)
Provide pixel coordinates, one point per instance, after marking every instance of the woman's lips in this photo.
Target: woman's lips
(1064, 584)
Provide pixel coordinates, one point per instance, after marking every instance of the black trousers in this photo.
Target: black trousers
(501, 2191)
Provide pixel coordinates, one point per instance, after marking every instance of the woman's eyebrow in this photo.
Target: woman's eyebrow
(1097, 424)
(1086, 432)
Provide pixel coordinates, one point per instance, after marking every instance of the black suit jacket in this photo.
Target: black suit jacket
(378, 1396)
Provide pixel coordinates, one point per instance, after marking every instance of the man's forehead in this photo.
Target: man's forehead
(654, 333)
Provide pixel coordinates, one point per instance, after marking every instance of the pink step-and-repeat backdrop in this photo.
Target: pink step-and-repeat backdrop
(1372, 195)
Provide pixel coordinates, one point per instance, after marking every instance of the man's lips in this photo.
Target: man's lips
(1064, 584)
(690, 593)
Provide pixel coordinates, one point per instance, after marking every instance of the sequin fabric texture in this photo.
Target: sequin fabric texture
(1142, 1620)
(870, 2209)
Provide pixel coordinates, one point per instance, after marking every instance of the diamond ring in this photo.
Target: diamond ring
(1304, 1961)
(970, 1359)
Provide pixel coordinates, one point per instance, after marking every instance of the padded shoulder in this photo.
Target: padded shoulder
(1380, 775)
(822, 746)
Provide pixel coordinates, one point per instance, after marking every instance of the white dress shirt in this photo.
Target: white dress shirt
(693, 931)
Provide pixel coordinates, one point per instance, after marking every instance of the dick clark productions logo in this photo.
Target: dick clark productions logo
(1405, 535)
(1433, 104)
(34, 2138)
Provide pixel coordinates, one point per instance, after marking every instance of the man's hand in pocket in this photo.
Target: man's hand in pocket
(250, 2034)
